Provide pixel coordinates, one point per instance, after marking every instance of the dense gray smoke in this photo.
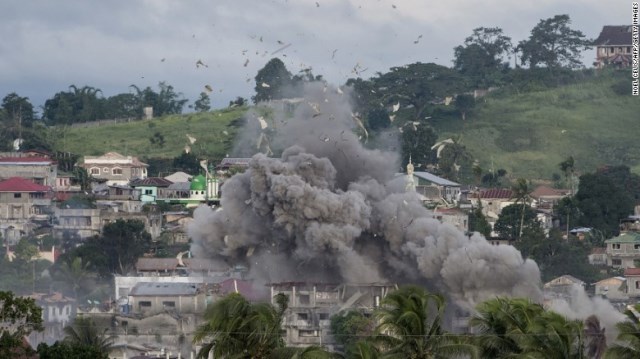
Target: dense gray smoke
(329, 209)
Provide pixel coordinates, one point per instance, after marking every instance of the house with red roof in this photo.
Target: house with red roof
(613, 46)
(23, 203)
(40, 170)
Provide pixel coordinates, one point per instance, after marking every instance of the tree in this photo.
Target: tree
(410, 325)
(25, 251)
(157, 139)
(66, 350)
(628, 344)
(122, 242)
(76, 105)
(515, 219)
(478, 222)
(602, 203)
(568, 168)
(351, 327)
(482, 55)
(75, 272)
(84, 332)
(596, 341)
(202, 104)
(551, 335)
(554, 44)
(187, 162)
(19, 317)
(124, 105)
(520, 192)
(235, 328)
(416, 143)
(464, 104)
(18, 110)
(165, 102)
(273, 82)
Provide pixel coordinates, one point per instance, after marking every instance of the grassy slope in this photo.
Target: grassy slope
(529, 134)
(133, 138)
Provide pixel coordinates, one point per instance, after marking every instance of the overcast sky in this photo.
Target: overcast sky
(48, 45)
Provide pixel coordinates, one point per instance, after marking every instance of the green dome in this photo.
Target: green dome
(198, 183)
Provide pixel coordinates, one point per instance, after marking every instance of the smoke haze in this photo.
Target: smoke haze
(329, 209)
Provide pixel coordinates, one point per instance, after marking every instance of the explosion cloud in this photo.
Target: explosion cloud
(330, 209)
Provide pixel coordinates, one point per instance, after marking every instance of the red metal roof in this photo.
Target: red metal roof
(631, 271)
(19, 184)
(496, 193)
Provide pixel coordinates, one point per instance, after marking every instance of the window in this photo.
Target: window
(628, 49)
(95, 171)
(637, 284)
(616, 245)
(323, 316)
(308, 333)
(148, 191)
(17, 195)
(116, 171)
(304, 299)
(303, 316)
(616, 262)
(636, 246)
(169, 304)
(144, 304)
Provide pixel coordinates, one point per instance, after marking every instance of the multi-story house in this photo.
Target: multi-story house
(180, 298)
(613, 47)
(58, 312)
(40, 170)
(22, 205)
(115, 168)
(623, 251)
(307, 320)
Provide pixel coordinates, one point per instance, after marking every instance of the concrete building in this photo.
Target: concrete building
(454, 216)
(76, 222)
(115, 168)
(449, 190)
(614, 288)
(153, 298)
(150, 188)
(311, 305)
(613, 47)
(624, 250)
(58, 311)
(23, 204)
(632, 276)
(40, 170)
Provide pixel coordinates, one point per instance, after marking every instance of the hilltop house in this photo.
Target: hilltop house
(22, 203)
(151, 188)
(624, 250)
(613, 47)
(115, 168)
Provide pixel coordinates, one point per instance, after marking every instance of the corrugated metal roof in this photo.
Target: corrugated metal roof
(614, 35)
(435, 179)
(19, 184)
(629, 237)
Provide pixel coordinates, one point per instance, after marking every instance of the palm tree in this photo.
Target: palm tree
(500, 323)
(553, 336)
(75, 272)
(84, 331)
(520, 192)
(363, 350)
(235, 328)
(628, 345)
(595, 338)
(410, 326)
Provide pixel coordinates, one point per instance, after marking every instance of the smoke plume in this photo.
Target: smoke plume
(329, 209)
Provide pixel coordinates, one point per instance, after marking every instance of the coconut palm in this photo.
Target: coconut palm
(85, 332)
(520, 192)
(595, 339)
(553, 336)
(235, 328)
(628, 345)
(410, 326)
(500, 324)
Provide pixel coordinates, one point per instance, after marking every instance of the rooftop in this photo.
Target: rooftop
(614, 35)
(164, 289)
(628, 237)
(631, 271)
(151, 182)
(497, 193)
(231, 161)
(19, 184)
(546, 191)
(34, 160)
(434, 179)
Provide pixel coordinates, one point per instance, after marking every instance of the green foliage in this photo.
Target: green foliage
(25, 250)
(464, 104)
(66, 350)
(628, 344)
(509, 222)
(456, 163)
(203, 103)
(164, 102)
(76, 105)
(603, 202)
(554, 44)
(85, 333)
(23, 316)
(481, 57)
(478, 223)
(351, 327)
(187, 162)
(235, 328)
(157, 139)
(273, 82)
(417, 144)
(117, 249)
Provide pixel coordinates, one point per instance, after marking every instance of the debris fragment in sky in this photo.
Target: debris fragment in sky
(200, 63)
(418, 39)
(396, 107)
(263, 123)
(393, 6)
(317, 4)
(208, 88)
(358, 121)
(246, 62)
(333, 54)
(280, 49)
(392, 118)
(162, 60)
(191, 139)
(266, 85)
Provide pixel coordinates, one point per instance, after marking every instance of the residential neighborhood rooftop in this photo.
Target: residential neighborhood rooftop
(627, 237)
(164, 289)
(614, 35)
(19, 184)
(435, 179)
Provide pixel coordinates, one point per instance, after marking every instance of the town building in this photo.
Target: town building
(115, 168)
(453, 216)
(449, 191)
(151, 188)
(308, 316)
(40, 170)
(624, 250)
(632, 276)
(151, 298)
(613, 47)
(24, 205)
(614, 288)
(58, 311)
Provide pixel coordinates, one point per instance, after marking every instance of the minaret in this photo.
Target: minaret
(411, 185)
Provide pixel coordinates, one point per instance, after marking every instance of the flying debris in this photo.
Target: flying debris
(418, 39)
(357, 69)
(200, 63)
(264, 84)
(162, 60)
(315, 107)
(246, 62)
(280, 42)
(208, 88)
(263, 123)
(280, 49)
(358, 121)
(393, 6)
(396, 107)
(333, 54)
(392, 118)
(339, 90)
(317, 4)
(191, 139)
(225, 133)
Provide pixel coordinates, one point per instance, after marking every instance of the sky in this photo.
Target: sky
(47, 46)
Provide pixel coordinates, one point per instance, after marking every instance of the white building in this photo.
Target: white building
(115, 168)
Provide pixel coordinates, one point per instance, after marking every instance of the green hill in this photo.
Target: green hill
(214, 133)
(529, 134)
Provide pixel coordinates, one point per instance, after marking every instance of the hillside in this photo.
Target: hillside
(529, 134)
(214, 132)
